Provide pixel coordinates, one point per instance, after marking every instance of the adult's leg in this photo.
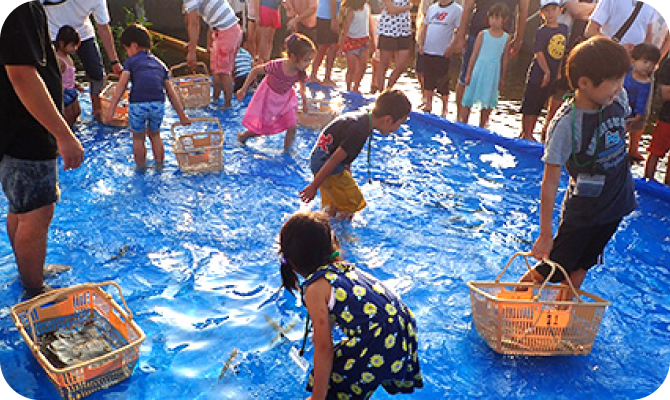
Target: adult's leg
(528, 122)
(28, 233)
(401, 61)
(321, 50)
(384, 61)
(331, 54)
(226, 81)
(89, 54)
(650, 166)
(266, 37)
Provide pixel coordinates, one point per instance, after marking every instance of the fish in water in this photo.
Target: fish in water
(278, 328)
(121, 252)
(55, 269)
(228, 363)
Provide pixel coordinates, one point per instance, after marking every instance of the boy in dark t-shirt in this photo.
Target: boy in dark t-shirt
(588, 136)
(339, 144)
(32, 134)
(549, 49)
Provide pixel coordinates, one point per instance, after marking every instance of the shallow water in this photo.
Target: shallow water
(196, 258)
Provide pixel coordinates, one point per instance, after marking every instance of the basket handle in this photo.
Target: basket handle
(203, 119)
(554, 266)
(182, 65)
(520, 253)
(48, 297)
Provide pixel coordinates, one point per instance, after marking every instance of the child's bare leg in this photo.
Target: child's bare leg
(361, 65)
(484, 115)
(464, 114)
(401, 61)
(318, 58)
(634, 146)
(352, 64)
(428, 101)
(554, 104)
(156, 146)
(139, 150)
(288, 139)
(331, 54)
(650, 167)
(445, 99)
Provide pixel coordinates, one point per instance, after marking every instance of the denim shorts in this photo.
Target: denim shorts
(29, 184)
(149, 113)
(465, 60)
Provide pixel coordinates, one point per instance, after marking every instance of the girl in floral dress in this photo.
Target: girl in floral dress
(380, 343)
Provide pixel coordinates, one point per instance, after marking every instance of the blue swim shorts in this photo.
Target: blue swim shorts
(70, 96)
(150, 113)
(29, 184)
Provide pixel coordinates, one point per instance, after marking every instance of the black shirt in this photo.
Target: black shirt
(349, 131)
(24, 40)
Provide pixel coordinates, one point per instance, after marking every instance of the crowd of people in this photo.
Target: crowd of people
(607, 102)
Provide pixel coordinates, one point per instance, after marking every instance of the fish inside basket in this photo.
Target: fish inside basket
(81, 337)
(537, 319)
(199, 147)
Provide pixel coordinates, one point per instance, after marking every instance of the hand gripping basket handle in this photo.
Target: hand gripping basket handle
(554, 266)
(182, 65)
(48, 297)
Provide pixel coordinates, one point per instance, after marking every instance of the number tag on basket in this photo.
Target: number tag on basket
(300, 361)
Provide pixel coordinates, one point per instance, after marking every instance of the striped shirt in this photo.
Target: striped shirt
(243, 61)
(216, 13)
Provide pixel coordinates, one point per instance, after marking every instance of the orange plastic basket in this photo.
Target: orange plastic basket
(537, 319)
(72, 308)
(120, 116)
(198, 147)
(193, 89)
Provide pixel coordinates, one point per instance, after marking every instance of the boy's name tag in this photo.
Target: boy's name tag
(298, 359)
(589, 185)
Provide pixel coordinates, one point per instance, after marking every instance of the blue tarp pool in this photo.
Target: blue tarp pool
(196, 257)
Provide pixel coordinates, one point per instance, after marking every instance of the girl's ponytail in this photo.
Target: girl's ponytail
(289, 279)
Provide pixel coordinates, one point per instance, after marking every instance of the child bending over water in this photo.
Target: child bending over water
(380, 347)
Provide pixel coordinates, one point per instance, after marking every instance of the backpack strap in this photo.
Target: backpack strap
(626, 25)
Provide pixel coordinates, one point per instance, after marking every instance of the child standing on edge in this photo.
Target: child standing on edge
(339, 144)
(488, 63)
(380, 347)
(274, 105)
(660, 139)
(150, 83)
(549, 49)
(638, 84)
(588, 136)
(67, 43)
(356, 40)
(436, 40)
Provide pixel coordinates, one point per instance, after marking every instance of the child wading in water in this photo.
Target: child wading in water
(273, 107)
(147, 95)
(67, 43)
(486, 70)
(380, 347)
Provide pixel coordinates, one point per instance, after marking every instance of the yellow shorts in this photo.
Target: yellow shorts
(342, 192)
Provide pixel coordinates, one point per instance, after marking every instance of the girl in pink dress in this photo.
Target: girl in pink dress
(274, 105)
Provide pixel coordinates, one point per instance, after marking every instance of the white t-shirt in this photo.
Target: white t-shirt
(659, 30)
(360, 24)
(76, 13)
(441, 23)
(612, 14)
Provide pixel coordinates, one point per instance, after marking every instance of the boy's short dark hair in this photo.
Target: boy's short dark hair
(598, 58)
(67, 34)
(136, 34)
(646, 51)
(392, 102)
